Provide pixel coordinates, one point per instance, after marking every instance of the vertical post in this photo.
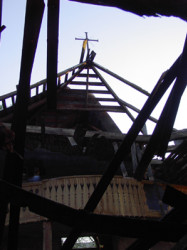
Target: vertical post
(47, 235)
(1, 9)
(1, 4)
(33, 19)
(52, 52)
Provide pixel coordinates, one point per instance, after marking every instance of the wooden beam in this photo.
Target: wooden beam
(1, 5)
(52, 52)
(33, 19)
(98, 108)
(95, 223)
(159, 140)
(137, 110)
(134, 86)
(47, 235)
(85, 75)
(144, 139)
(90, 83)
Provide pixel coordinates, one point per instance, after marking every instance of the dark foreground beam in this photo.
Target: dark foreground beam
(52, 52)
(33, 19)
(154, 8)
(93, 223)
(175, 199)
(161, 135)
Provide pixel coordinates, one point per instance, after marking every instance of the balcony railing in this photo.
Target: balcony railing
(7, 101)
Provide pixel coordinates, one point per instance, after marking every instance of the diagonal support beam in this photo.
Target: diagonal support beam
(132, 85)
(161, 135)
(113, 94)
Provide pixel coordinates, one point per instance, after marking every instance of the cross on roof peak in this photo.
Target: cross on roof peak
(94, 40)
(87, 39)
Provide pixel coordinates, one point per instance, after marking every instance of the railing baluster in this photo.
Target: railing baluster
(4, 104)
(66, 77)
(37, 90)
(59, 81)
(43, 85)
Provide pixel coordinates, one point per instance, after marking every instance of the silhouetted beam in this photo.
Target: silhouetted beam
(33, 19)
(134, 86)
(89, 83)
(177, 215)
(113, 94)
(145, 7)
(182, 244)
(159, 140)
(125, 148)
(1, 4)
(52, 52)
(93, 223)
(175, 198)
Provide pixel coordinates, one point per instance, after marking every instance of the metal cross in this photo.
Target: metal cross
(93, 40)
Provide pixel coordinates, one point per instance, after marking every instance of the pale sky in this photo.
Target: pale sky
(136, 48)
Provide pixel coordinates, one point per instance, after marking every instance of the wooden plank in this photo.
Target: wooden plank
(91, 108)
(89, 83)
(85, 75)
(99, 99)
(91, 91)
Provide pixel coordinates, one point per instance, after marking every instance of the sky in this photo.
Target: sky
(137, 48)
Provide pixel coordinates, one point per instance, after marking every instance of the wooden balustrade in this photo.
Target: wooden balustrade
(9, 100)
